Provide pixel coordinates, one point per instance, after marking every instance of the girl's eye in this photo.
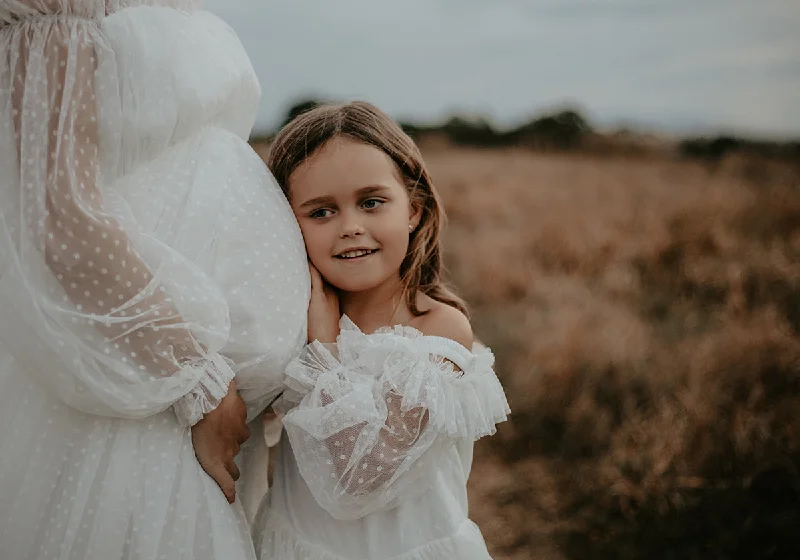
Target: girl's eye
(372, 203)
(321, 213)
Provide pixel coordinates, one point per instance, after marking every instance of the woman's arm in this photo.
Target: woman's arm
(90, 311)
(95, 274)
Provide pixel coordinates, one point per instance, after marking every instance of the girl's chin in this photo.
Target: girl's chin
(352, 285)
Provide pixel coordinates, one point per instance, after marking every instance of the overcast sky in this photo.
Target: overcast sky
(673, 65)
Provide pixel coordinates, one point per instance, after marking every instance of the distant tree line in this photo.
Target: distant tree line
(567, 130)
(717, 148)
(564, 130)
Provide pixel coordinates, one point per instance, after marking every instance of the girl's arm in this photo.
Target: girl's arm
(402, 428)
(376, 412)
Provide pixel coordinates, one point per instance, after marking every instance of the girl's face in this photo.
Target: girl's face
(354, 213)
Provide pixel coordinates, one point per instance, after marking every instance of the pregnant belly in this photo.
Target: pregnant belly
(212, 199)
(177, 72)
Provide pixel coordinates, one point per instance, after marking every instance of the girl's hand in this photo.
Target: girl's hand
(217, 437)
(323, 309)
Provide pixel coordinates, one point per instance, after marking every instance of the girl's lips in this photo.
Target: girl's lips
(355, 254)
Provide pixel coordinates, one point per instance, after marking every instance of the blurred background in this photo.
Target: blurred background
(623, 185)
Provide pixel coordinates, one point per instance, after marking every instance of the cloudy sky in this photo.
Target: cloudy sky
(671, 65)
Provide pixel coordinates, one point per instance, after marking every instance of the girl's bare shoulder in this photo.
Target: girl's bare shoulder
(443, 320)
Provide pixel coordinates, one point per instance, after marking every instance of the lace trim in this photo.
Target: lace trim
(447, 348)
(465, 405)
(209, 391)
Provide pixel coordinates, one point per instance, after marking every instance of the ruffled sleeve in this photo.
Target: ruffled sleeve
(113, 321)
(367, 417)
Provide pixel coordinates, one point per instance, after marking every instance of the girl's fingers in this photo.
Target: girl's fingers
(316, 278)
(233, 471)
(224, 480)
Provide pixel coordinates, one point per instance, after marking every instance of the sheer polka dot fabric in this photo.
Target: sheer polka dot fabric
(146, 258)
(380, 431)
(367, 416)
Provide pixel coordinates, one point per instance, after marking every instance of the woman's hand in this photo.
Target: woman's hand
(323, 309)
(217, 439)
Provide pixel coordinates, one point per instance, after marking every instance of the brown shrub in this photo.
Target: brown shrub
(644, 316)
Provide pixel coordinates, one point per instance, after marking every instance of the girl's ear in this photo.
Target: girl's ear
(414, 214)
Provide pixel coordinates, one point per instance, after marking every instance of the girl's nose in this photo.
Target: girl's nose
(352, 228)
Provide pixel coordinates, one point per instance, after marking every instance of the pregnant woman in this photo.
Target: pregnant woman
(152, 276)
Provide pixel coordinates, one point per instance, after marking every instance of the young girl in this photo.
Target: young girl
(384, 403)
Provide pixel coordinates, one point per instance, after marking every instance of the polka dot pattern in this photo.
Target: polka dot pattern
(146, 257)
(379, 439)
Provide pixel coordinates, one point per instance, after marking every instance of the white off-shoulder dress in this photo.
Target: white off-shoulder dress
(146, 258)
(380, 434)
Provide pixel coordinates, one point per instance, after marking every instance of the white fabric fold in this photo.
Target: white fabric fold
(367, 417)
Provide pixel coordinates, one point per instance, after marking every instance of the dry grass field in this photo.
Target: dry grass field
(645, 314)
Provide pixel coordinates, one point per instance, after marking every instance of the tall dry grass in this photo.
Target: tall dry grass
(645, 315)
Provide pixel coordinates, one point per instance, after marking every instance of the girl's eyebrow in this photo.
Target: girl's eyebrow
(371, 189)
(363, 191)
(317, 200)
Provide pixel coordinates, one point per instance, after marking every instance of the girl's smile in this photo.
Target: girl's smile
(356, 254)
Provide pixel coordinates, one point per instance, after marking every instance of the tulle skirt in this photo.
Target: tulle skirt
(80, 487)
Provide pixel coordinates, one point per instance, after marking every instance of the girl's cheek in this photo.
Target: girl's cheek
(306, 231)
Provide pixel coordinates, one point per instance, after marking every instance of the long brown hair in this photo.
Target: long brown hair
(306, 134)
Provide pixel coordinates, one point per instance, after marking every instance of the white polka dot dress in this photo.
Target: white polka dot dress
(380, 429)
(146, 258)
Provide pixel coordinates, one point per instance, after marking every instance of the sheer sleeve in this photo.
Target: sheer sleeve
(133, 327)
(373, 412)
